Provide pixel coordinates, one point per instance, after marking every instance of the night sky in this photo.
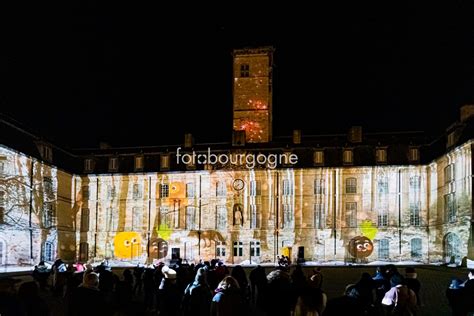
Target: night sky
(132, 76)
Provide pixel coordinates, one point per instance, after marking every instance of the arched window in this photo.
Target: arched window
(383, 249)
(416, 248)
(452, 245)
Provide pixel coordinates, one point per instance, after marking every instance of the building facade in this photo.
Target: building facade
(353, 198)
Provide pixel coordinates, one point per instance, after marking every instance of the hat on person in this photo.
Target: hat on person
(169, 273)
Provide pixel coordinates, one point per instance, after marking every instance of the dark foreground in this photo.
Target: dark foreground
(434, 282)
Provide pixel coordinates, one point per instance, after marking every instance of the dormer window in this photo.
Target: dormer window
(46, 152)
(414, 154)
(113, 164)
(139, 163)
(381, 155)
(348, 156)
(318, 157)
(88, 165)
(165, 162)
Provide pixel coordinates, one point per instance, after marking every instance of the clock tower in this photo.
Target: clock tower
(252, 93)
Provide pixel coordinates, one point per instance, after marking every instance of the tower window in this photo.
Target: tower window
(245, 70)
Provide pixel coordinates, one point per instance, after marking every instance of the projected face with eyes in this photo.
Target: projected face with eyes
(360, 247)
(158, 248)
(127, 245)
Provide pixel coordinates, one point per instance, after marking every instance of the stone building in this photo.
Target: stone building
(357, 197)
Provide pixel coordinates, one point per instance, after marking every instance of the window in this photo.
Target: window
(137, 219)
(2, 198)
(221, 217)
(415, 214)
(137, 191)
(449, 173)
(318, 157)
(452, 247)
(83, 251)
(319, 216)
(221, 189)
(318, 186)
(47, 153)
(111, 220)
(416, 248)
(48, 185)
(255, 188)
(415, 184)
(255, 249)
(351, 185)
(451, 139)
(190, 218)
(113, 164)
(382, 216)
(165, 162)
(287, 215)
(220, 249)
(450, 207)
(176, 213)
(383, 249)
(382, 185)
(85, 192)
(351, 214)
(48, 215)
(85, 220)
(139, 162)
(110, 191)
(165, 218)
(48, 254)
(287, 187)
(381, 155)
(164, 190)
(3, 165)
(254, 216)
(238, 249)
(413, 154)
(347, 156)
(245, 70)
(88, 165)
(190, 190)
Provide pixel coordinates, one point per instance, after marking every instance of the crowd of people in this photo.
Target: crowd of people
(211, 288)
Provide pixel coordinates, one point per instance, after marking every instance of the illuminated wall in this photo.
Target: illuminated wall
(252, 104)
(36, 218)
(360, 214)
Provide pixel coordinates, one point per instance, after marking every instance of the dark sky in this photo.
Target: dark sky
(132, 76)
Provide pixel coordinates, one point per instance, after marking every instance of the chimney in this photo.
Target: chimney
(467, 111)
(188, 140)
(355, 134)
(296, 136)
(238, 138)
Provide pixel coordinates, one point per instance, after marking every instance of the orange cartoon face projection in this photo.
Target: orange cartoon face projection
(360, 247)
(158, 248)
(127, 245)
(177, 190)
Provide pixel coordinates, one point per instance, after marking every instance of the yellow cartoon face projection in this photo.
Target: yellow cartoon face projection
(127, 245)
